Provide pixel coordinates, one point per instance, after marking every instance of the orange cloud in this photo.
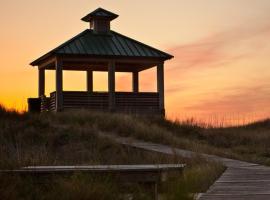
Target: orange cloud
(220, 48)
(208, 77)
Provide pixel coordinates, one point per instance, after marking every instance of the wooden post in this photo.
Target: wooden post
(59, 84)
(152, 189)
(89, 77)
(111, 85)
(135, 81)
(41, 82)
(160, 86)
(155, 191)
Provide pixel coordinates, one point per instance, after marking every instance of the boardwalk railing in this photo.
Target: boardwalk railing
(150, 175)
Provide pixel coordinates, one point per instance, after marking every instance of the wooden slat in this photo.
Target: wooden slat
(142, 102)
(241, 180)
(125, 101)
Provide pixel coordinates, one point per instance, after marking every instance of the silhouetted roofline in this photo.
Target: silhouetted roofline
(52, 52)
(155, 52)
(100, 13)
(169, 56)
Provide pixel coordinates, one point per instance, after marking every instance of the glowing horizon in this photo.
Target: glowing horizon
(221, 49)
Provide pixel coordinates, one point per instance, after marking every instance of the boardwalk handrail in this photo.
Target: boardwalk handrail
(99, 168)
(151, 175)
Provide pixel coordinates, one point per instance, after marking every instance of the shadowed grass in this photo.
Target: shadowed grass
(72, 138)
(249, 142)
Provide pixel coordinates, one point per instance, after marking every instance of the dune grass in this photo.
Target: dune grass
(72, 138)
(248, 142)
(195, 179)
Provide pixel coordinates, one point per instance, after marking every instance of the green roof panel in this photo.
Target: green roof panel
(111, 44)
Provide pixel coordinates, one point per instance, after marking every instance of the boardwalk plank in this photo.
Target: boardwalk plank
(241, 180)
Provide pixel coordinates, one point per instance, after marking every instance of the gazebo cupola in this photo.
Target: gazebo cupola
(101, 49)
(100, 20)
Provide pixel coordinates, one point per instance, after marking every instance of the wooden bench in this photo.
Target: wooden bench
(150, 175)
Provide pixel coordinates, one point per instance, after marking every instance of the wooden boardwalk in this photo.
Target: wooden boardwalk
(241, 180)
(150, 176)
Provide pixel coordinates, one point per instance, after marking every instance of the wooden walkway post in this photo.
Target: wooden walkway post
(160, 86)
(59, 84)
(89, 77)
(41, 82)
(111, 85)
(135, 81)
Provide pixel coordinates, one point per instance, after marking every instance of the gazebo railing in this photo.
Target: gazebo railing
(87, 100)
(141, 102)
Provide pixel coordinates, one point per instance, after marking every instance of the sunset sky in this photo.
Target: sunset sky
(221, 68)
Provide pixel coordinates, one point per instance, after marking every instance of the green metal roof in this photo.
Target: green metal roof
(111, 44)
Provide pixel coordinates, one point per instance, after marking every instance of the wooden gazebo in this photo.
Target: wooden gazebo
(101, 49)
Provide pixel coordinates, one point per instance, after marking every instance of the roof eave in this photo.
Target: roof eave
(89, 17)
(39, 60)
(170, 57)
(53, 52)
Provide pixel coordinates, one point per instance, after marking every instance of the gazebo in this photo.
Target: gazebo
(101, 49)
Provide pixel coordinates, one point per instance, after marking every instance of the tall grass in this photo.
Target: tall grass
(72, 138)
(248, 142)
(195, 180)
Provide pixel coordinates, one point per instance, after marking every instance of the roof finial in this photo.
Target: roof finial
(100, 20)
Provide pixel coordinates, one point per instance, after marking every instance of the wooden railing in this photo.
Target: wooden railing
(142, 102)
(150, 177)
(87, 100)
(44, 103)
(47, 103)
(52, 102)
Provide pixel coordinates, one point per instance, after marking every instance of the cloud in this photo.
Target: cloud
(250, 99)
(220, 48)
(246, 93)
(217, 50)
(231, 89)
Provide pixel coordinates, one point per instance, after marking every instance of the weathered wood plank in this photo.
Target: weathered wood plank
(241, 180)
(147, 102)
(149, 175)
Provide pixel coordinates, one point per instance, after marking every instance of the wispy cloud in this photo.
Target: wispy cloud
(251, 99)
(192, 93)
(224, 53)
(220, 48)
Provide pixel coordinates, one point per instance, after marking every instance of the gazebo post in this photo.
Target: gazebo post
(102, 49)
(41, 82)
(89, 77)
(135, 81)
(59, 84)
(111, 85)
(160, 86)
